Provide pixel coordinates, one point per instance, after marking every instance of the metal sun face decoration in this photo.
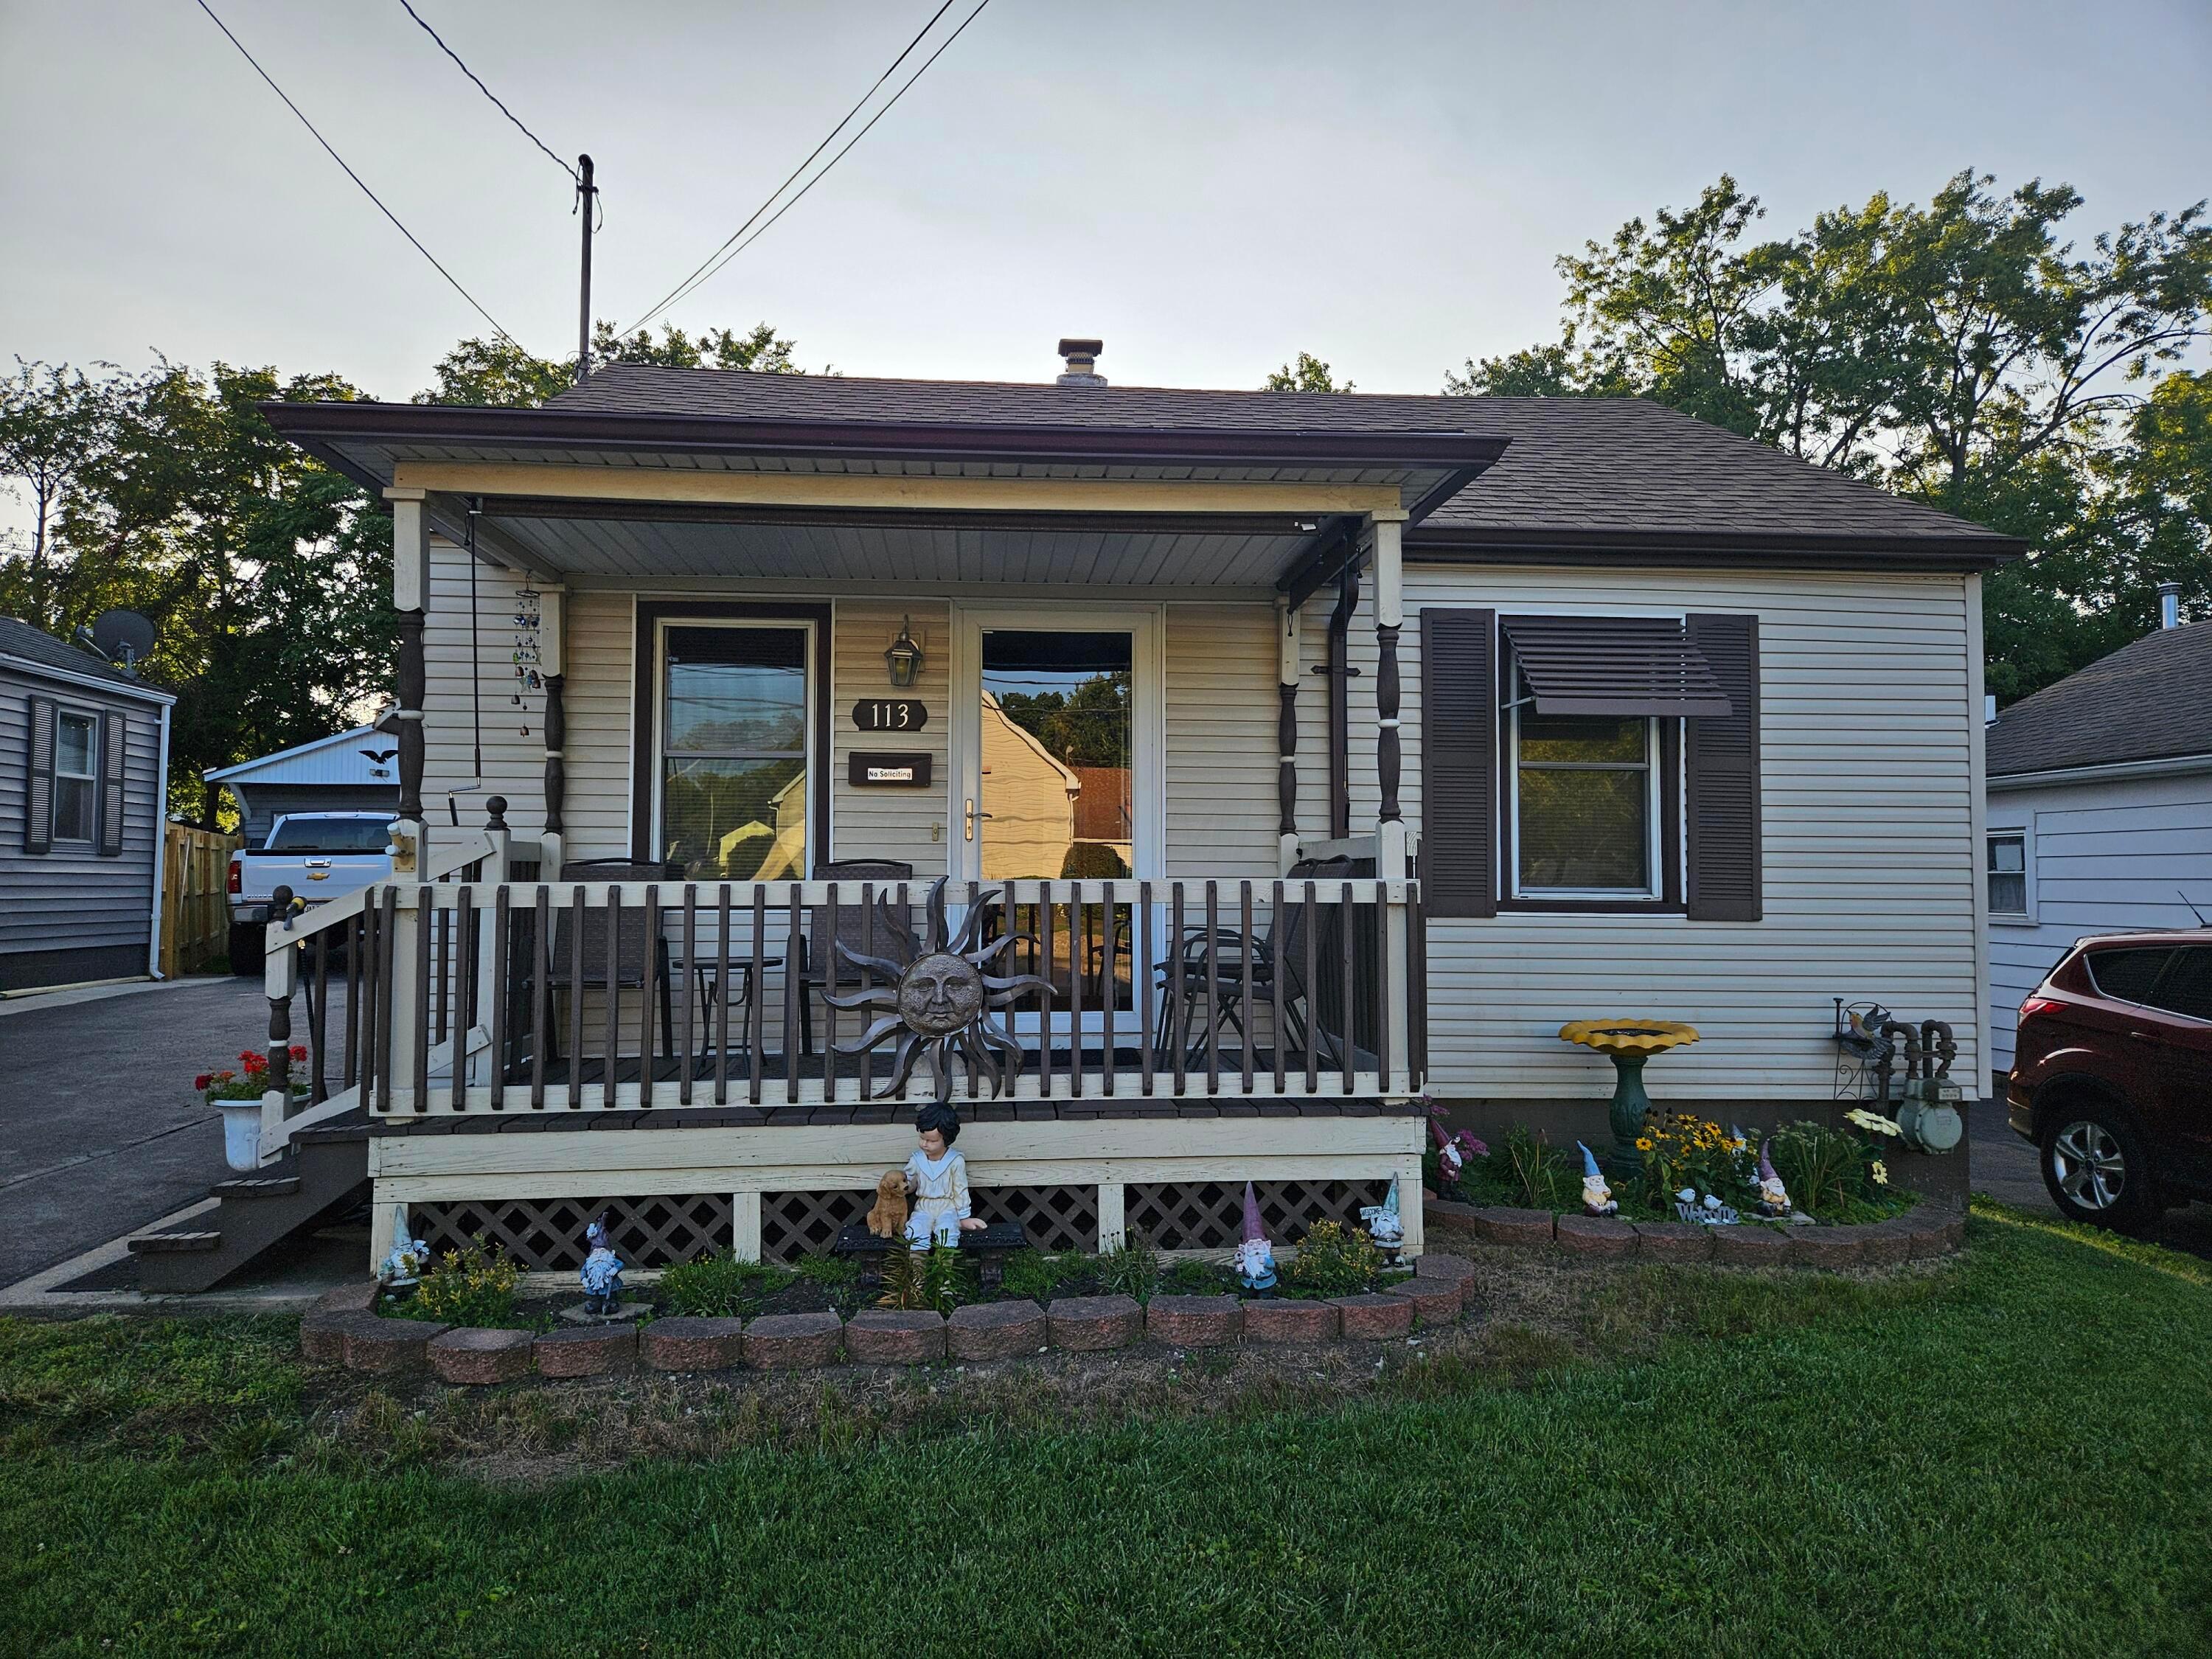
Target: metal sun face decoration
(939, 1005)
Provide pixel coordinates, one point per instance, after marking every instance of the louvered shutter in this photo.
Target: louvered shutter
(1459, 762)
(1725, 882)
(111, 759)
(38, 784)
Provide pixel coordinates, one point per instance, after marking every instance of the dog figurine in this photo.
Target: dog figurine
(888, 1218)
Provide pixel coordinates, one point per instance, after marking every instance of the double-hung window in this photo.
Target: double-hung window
(1586, 805)
(77, 777)
(2008, 874)
(734, 722)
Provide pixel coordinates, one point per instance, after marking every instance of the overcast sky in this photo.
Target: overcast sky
(1211, 187)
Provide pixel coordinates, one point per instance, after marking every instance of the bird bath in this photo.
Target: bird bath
(1628, 1044)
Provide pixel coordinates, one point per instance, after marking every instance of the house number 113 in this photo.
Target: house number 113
(890, 714)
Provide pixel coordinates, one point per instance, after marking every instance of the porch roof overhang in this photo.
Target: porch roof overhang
(618, 496)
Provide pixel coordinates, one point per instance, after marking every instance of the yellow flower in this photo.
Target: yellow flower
(1881, 1173)
(1644, 1144)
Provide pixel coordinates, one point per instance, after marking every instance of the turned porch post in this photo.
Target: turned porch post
(411, 598)
(553, 659)
(1390, 839)
(1287, 730)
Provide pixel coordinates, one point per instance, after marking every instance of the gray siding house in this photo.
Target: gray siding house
(84, 783)
(2099, 816)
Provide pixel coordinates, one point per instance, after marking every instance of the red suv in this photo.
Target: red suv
(2111, 1077)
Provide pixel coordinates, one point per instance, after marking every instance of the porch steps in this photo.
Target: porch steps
(327, 1167)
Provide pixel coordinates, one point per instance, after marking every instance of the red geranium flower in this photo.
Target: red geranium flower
(203, 1080)
(298, 1051)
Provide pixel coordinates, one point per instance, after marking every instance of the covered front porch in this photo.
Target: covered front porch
(711, 917)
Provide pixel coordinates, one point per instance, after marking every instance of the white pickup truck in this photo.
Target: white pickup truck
(320, 856)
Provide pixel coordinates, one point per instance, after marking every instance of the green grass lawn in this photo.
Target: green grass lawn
(2012, 1457)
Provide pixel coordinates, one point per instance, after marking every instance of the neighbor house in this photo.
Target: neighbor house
(356, 770)
(1436, 722)
(84, 752)
(2099, 810)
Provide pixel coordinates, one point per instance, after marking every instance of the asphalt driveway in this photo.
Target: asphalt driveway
(100, 1131)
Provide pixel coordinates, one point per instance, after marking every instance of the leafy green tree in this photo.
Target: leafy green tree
(496, 374)
(1964, 354)
(56, 426)
(1308, 373)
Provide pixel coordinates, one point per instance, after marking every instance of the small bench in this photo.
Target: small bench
(990, 1245)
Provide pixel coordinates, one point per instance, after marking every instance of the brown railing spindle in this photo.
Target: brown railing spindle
(576, 911)
(1077, 929)
(722, 996)
(320, 1088)
(795, 997)
(1044, 1007)
(419, 1075)
(456, 963)
(1350, 1038)
(1244, 969)
(1213, 988)
(1140, 981)
(613, 1022)
(1107, 998)
(830, 986)
(754, 1019)
(1313, 992)
(648, 1049)
(865, 1065)
(1178, 1006)
(355, 980)
(690, 973)
(1382, 991)
(541, 1002)
(1275, 939)
(501, 916)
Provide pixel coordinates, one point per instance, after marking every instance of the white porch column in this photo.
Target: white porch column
(411, 597)
(1390, 844)
(553, 668)
(1287, 732)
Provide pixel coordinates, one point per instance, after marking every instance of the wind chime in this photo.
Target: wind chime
(529, 682)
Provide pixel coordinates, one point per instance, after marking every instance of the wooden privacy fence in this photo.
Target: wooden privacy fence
(195, 909)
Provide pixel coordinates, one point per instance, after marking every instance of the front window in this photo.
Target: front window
(77, 772)
(1585, 805)
(733, 752)
(2008, 875)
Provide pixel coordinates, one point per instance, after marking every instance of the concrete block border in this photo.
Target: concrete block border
(341, 1329)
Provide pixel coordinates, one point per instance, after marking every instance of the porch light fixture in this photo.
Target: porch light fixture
(904, 656)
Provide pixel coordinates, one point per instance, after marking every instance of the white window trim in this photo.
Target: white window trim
(2026, 832)
(814, 762)
(1654, 885)
(90, 779)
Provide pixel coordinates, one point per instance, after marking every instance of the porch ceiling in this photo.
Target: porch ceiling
(1116, 550)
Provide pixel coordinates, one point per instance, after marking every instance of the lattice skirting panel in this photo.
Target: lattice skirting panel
(794, 1224)
(1207, 1215)
(1051, 1217)
(547, 1234)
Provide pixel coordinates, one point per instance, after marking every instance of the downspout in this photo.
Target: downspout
(160, 846)
(1338, 668)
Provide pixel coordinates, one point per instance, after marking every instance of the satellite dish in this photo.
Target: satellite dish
(122, 637)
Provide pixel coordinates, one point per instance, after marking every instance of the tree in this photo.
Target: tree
(1308, 373)
(497, 373)
(1962, 354)
(56, 425)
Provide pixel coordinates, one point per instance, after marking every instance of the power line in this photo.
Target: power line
(732, 247)
(494, 96)
(357, 179)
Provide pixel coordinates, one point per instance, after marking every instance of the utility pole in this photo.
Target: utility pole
(586, 194)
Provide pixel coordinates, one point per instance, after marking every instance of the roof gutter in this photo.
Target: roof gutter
(90, 682)
(2106, 772)
(1434, 544)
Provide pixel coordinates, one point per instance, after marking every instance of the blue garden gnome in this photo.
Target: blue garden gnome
(1597, 1197)
(602, 1271)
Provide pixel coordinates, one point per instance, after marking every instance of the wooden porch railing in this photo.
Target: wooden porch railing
(463, 995)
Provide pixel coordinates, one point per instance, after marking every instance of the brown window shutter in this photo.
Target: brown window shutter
(1722, 763)
(38, 785)
(112, 761)
(1459, 762)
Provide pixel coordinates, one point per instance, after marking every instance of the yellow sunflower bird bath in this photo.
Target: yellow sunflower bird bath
(1628, 1044)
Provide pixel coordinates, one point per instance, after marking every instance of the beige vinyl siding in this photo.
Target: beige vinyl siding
(908, 824)
(1221, 762)
(598, 703)
(1869, 861)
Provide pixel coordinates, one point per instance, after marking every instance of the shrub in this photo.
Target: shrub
(1134, 1270)
(720, 1286)
(1538, 1173)
(1682, 1149)
(1835, 1175)
(934, 1280)
(1333, 1260)
(472, 1285)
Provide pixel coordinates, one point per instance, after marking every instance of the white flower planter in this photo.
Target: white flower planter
(241, 1134)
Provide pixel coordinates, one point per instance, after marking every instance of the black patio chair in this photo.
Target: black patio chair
(1280, 949)
(820, 968)
(640, 964)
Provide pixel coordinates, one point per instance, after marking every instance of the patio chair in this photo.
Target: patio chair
(1281, 950)
(636, 957)
(820, 967)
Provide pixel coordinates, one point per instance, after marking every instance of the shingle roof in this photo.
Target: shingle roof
(19, 639)
(2151, 700)
(1579, 471)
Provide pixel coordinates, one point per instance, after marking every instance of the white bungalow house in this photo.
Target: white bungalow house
(1443, 721)
(2099, 810)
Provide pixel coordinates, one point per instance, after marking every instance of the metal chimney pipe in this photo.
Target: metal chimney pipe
(2169, 604)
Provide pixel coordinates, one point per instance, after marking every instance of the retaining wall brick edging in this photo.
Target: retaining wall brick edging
(1924, 1231)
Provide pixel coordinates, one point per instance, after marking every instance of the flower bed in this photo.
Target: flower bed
(1052, 1302)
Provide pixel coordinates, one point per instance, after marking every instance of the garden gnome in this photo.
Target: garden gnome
(602, 1270)
(937, 1175)
(1384, 1225)
(1773, 1197)
(408, 1256)
(1255, 1257)
(1597, 1197)
(1450, 1162)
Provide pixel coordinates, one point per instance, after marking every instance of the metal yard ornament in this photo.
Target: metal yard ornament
(939, 1005)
